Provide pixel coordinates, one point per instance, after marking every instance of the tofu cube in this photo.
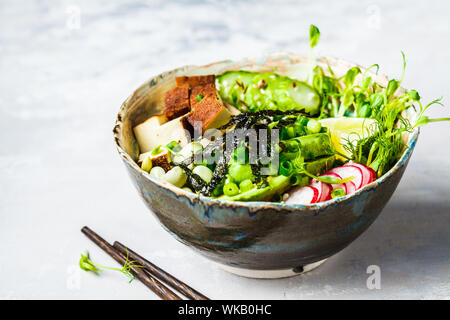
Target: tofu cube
(210, 113)
(177, 102)
(193, 81)
(203, 91)
(175, 130)
(161, 159)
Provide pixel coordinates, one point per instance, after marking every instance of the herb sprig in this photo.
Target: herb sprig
(346, 97)
(87, 264)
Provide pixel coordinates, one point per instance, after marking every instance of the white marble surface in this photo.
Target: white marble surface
(61, 85)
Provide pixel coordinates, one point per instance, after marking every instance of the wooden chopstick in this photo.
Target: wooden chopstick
(153, 284)
(161, 274)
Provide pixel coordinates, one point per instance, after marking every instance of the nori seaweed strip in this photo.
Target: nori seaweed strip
(220, 172)
(243, 120)
(246, 123)
(256, 170)
(221, 168)
(234, 120)
(214, 146)
(186, 161)
(255, 115)
(285, 122)
(276, 113)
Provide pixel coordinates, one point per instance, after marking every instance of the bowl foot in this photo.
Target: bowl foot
(271, 274)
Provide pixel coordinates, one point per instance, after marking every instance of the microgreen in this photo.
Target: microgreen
(346, 97)
(350, 76)
(422, 119)
(87, 264)
(329, 179)
(314, 36)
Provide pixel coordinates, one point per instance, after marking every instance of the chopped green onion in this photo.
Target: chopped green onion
(336, 193)
(302, 120)
(313, 126)
(276, 197)
(230, 189)
(283, 134)
(299, 179)
(290, 131)
(292, 145)
(299, 129)
(240, 155)
(188, 151)
(174, 146)
(156, 150)
(199, 97)
(272, 124)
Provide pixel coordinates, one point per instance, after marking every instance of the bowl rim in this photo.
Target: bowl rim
(255, 205)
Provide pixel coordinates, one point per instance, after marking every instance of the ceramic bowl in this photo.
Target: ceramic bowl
(256, 239)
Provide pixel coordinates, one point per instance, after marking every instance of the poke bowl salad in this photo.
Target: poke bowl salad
(244, 135)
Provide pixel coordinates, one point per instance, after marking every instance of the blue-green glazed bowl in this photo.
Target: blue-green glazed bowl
(258, 239)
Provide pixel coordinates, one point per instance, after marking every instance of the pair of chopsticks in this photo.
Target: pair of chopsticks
(147, 272)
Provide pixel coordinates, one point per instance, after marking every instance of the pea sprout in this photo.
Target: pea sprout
(87, 264)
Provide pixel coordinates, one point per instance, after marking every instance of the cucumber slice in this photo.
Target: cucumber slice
(259, 95)
(292, 94)
(232, 86)
(252, 91)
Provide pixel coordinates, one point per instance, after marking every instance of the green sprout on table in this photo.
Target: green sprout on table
(87, 264)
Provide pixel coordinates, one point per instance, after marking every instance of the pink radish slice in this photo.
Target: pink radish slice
(324, 190)
(374, 175)
(350, 171)
(336, 185)
(349, 187)
(368, 173)
(303, 195)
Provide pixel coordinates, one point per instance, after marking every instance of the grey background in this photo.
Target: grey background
(62, 83)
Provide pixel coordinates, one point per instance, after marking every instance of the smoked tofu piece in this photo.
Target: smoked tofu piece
(233, 110)
(177, 102)
(193, 81)
(209, 113)
(204, 91)
(175, 130)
